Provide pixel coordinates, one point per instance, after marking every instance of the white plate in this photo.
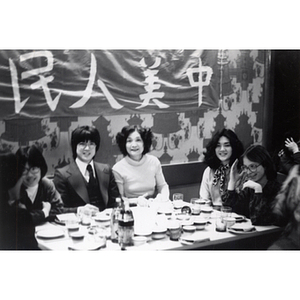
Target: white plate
(50, 233)
(241, 231)
(87, 246)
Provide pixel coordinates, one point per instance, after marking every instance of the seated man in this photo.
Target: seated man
(85, 182)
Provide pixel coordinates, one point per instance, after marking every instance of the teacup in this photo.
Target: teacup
(174, 232)
(189, 229)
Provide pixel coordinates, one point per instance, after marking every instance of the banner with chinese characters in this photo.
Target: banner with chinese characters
(47, 83)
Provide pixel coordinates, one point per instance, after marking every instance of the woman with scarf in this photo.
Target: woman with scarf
(255, 200)
(221, 152)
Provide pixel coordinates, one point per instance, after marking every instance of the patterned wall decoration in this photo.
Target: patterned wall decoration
(179, 137)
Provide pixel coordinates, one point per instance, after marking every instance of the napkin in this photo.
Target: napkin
(242, 227)
(66, 217)
(195, 238)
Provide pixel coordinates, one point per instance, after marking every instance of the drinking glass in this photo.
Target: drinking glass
(226, 212)
(196, 207)
(86, 216)
(177, 197)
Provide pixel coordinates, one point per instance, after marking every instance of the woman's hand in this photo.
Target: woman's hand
(253, 185)
(142, 201)
(233, 175)
(291, 145)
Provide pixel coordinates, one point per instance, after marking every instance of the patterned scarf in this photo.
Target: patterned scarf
(220, 175)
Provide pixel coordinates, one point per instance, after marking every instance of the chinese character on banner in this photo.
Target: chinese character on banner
(150, 88)
(202, 71)
(41, 83)
(44, 80)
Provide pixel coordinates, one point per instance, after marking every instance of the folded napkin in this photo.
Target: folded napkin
(66, 217)
(195, 238)
(242, 227)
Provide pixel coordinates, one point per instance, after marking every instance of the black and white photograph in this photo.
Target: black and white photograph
(134, 148)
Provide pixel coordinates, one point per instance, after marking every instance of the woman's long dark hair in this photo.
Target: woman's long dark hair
(210, 157)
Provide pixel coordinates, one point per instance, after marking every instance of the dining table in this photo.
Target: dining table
(95, 235)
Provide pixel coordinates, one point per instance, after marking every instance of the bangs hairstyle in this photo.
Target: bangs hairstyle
(145, 133)
(210, 157)
(33, 156)
(84, 134)
(260, 155)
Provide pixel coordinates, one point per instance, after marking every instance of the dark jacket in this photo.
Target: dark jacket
(73, 190)
(46, 193)
(256, 206)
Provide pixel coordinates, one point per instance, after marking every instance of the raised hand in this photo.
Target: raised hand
(291, 145)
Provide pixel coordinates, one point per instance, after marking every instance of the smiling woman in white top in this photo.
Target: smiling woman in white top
(223, 149)
(139, 174)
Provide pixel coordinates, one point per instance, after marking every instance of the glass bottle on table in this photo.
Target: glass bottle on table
(125, 225)
(114, 221)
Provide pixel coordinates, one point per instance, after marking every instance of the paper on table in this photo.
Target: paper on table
(66, 217)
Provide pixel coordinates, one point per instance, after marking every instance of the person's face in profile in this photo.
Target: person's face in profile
(86, 151)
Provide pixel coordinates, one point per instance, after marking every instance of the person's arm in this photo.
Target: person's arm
(113, 189)
(204, 191)
(53, 197)
(120, 182)
(296, 157)
(261, 205)
(161, 184)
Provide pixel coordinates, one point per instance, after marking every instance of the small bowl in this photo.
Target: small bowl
(139, 240)
(72, 226)
(159, 233)
(189, 229)
(167, 212)
(206, 209)
(200, 223)
(145, 233)
(77, 235)
(186, 223)
(104, 219)
(200, 201)
(183, 217)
